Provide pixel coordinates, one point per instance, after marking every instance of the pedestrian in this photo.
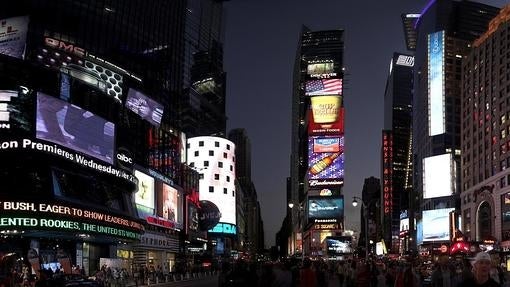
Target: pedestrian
(307, 277)
(443, 275)
(481, 277)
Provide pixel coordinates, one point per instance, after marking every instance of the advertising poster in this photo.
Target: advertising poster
(337, 245)
(75, 128)
(326, 157)
(325, 208)
(323, 87)
(326, 115)
(144, 197)
(321, 70)
(13, 35)
(436, 224)
(436, 83)
(170, 203)
(147, 108)
(438, 176)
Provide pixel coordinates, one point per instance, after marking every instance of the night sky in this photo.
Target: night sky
(260, 49)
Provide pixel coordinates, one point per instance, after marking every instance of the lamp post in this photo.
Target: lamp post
(364, 207)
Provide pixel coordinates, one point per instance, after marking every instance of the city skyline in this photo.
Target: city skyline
(259, 78)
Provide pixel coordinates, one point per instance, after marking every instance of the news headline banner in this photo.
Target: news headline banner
(64, 210)
(29, 144)
(47, 223)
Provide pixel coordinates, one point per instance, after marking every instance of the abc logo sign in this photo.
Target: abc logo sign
(124, 158)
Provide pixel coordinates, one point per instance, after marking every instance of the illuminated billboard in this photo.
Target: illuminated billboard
(75, 128)
(214, 158)
(436, 83)
(326, 115)
(224, 228)
(144, 196)
(169, 203)
(336, 245)
(436, 224)
(387, 147)
(325, 157)
(13, 35)
(323, 87)
(325, 208)
(147, 108)
(321, 70)
(438, 176)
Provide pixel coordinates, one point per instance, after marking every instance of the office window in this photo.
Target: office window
(220, 164)
(217, 144)
(211, 188)
(201, 143)
(216, 176)
(225, 190)
(196, 153)
(211, 153)
(224, 155)
(206, 163)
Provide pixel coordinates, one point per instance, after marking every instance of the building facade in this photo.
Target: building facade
(317, 140)
(396, 147)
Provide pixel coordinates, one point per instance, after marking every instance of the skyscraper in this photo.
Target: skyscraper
(446, 29)
(317, 121)
(396, 154)
(485, 196)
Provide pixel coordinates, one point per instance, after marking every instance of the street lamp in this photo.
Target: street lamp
(291, 205)
(355, 200)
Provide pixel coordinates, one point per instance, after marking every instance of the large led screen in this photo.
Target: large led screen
(325, 208)
(321, 70)
(147, 108)
(338, 245)
(436, 224)
(75, 128)
(438, 176)
(144, 196)
(326, 115)
(323, 87)
(325, 157)
(13, 35)
(436, 83)
(170, 203)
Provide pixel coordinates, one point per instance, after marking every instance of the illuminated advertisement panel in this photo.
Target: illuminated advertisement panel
(75, 128)
(436, 224)
(438, 176)
(224, 228)
(321, 70)
(419, 231)
(331, 190)
(323, 87)
(326, 208)
(13, 35)
(387, 150)
(436, 83)
(337, 245)
(147, 108)
(326, 115)
(144, 196)
(326, 157)
(170, 203)
(214, 157)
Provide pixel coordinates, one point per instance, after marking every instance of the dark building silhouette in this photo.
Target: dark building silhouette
(371, 196)
(397, 153)
(410, 33)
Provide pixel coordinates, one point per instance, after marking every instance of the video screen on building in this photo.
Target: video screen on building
(144, 196)
(147, 108)
(337, 245)
(436, 224)
(325, 157)
(323, 87)
(325, 208)
(75, 128)
(170, 203)
(13, 36)
(436, 83)
(326, 115)
(438, 176)
(321, 70)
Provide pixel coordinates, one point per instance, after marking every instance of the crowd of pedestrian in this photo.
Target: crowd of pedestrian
(481, 270)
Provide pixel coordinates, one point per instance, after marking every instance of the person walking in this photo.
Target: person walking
(481, 276)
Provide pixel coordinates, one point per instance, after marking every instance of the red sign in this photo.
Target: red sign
(387, 172)
(160, 222)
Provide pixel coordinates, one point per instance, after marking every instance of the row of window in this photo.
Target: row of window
(211, 153)
(225, 190)
(216, 144)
